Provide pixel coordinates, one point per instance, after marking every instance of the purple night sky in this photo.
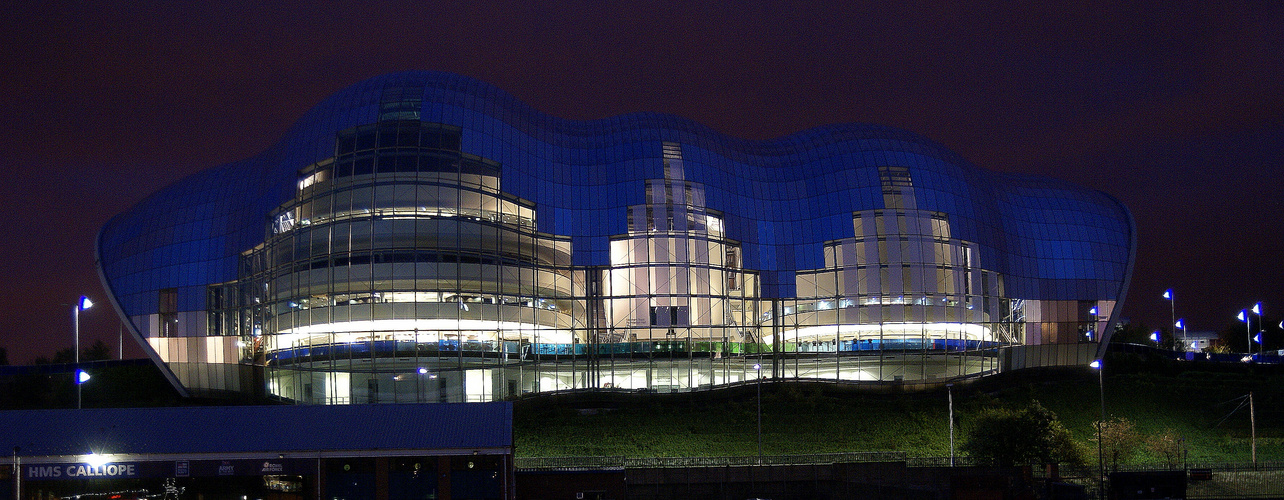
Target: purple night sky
(1176, 108)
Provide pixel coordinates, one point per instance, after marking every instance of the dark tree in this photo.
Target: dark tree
(1031, 435)
(65, 355)
(1131, 333)
(97, 352)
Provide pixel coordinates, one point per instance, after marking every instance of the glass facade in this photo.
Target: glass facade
(427, 237)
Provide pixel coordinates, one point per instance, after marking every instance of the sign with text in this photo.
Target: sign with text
(176, 468)
(80, 471)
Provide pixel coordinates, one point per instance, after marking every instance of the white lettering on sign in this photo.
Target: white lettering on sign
(109, 470)
(43, 472)
(81, 470)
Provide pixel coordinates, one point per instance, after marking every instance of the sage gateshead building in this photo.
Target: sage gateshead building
(427, 237)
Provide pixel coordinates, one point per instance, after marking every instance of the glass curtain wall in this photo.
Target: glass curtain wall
(903, 300)
(679, 311)
(427, 237)
(401, 272)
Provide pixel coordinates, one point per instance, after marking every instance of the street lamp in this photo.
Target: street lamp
(1248, 331)
(1257, 309)
(757, 367)
(1101, 458)
(81, 376)
(1092, 332)
(1172, 303)
(17, 475)
(949, 389)
(1181, 323)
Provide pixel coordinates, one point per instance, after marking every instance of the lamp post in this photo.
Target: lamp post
(1172, 305)
(81, 376)
(949, 389)
(757, 367)
(1181, 323)
(1092, 332)
(1257, 309)
(1101, 458)
(1248, 331)
(17, 474)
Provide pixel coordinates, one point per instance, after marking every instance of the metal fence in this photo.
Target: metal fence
(1205, 480)
(1239, 482)
(682, 462)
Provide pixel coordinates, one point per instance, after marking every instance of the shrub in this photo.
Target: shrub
(1018, 437)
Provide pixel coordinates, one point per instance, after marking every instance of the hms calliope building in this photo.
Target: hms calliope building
(425, 237)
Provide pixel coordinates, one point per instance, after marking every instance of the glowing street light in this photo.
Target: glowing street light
(1248, 331)
(1091, 334)
(1101, 457)
(1257, 309)
(81, 376)
(1154, 336)
(1181, 323)
(1172, 306)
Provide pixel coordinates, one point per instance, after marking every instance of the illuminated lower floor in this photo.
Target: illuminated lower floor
(477, 376)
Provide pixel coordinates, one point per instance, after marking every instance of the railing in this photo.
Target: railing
(1204, 480)
(616, 462)
(673, 348)
(1239, 480)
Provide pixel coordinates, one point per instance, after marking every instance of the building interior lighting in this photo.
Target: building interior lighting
(424, 330)
(889, 331)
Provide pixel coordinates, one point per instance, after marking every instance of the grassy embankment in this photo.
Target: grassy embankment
(805, 418)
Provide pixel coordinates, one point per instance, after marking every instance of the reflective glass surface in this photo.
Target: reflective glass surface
(427, 237)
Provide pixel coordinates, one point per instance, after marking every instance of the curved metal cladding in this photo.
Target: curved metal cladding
(427, 237)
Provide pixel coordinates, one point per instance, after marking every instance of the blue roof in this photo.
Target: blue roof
(782, 198)
(258, 429)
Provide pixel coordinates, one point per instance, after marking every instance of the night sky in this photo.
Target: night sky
(1175, 108)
